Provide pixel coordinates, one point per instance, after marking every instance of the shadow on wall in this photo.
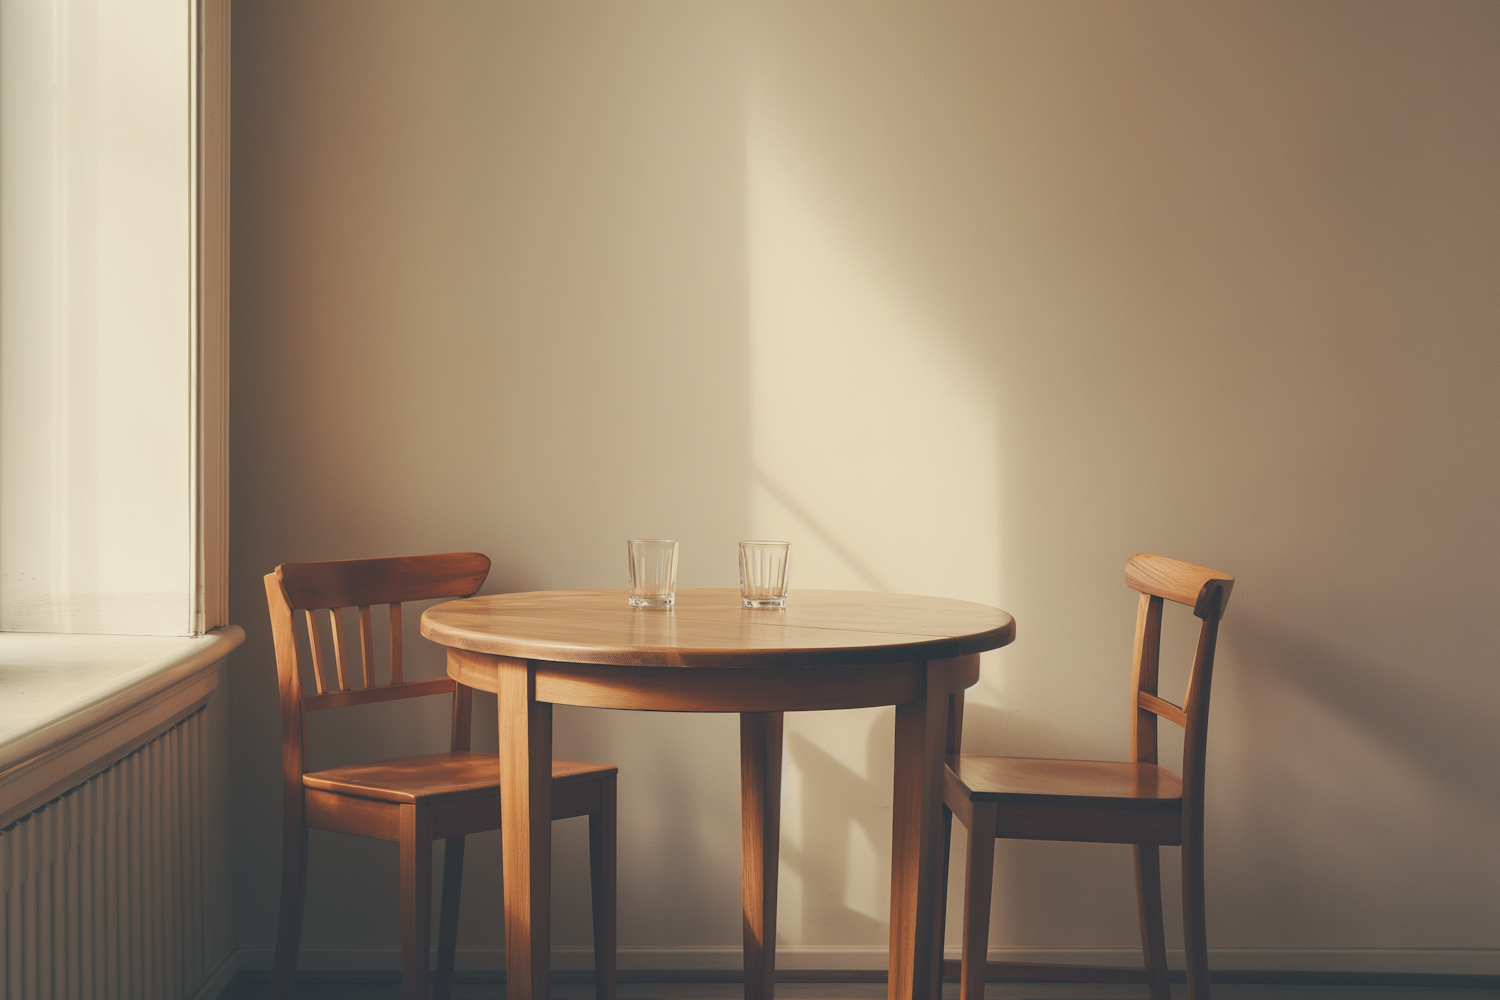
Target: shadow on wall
(1329, 735)
(1446, 739)
(679, 776)
(835, 856)
(832, 857)
(821, 531)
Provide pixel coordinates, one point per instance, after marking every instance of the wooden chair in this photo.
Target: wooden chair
(410, 800)
(1138, 802)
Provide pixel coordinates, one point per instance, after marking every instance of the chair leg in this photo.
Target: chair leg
(945, 840)
(979, 880)
(289, 920)
(453, 881)
(1194, 918)
(416, 899)
(1153, 934)
(953, 749)
(602, 881)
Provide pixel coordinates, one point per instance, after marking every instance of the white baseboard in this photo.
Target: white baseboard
(1459, 961)
(1426, 961)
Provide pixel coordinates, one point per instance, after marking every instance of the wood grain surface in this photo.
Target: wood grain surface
(1204, 590)
(351, 583)
(708, 628)
(1014, 780)
(435, 776)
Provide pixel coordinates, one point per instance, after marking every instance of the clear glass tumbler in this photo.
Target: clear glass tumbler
(763, 574)
(653, 572)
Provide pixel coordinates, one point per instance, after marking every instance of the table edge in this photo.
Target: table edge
(919, 648)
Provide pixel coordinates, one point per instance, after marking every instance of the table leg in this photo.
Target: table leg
(921, 738)
(760, 845)
(526, 829)
(953, 747)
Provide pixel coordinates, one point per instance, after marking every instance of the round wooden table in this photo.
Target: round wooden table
(827, 649)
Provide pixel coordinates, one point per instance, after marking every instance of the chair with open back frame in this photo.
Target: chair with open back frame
(410, 800)
(1135, 802)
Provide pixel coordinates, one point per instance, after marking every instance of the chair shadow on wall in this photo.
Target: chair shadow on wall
(1364, 760)
(1441, 729)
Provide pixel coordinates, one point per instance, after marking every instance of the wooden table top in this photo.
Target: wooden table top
(709, 628)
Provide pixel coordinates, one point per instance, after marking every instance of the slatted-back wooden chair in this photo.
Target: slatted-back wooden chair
(410, 800)
(1136, 802)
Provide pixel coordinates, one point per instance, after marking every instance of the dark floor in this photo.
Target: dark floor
(876, 991)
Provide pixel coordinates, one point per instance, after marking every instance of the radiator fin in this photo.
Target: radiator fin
(103, 887)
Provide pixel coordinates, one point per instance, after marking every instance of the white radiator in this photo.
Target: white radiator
(103, 889)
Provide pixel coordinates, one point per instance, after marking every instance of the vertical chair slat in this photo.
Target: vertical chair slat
(366, 646)
(339, 659)
(1147, 668)
(317, 651)
(395, 643)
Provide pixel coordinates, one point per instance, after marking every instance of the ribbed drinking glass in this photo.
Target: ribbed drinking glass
(653, 572)
(763, 574)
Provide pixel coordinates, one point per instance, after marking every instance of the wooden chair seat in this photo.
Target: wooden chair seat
(435, 777)
(1019, 780)
(1085, 801)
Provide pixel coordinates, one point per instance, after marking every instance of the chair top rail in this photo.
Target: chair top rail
(356, 583)
(1205, 590)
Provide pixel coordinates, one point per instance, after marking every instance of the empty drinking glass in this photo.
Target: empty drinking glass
(653, 572)
(763, 574)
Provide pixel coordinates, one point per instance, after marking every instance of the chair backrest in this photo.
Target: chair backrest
(332, 587)
(1206, 591)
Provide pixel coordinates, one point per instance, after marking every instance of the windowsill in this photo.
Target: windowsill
(71, 705)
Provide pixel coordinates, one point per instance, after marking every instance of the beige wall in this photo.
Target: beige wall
(963, 299)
